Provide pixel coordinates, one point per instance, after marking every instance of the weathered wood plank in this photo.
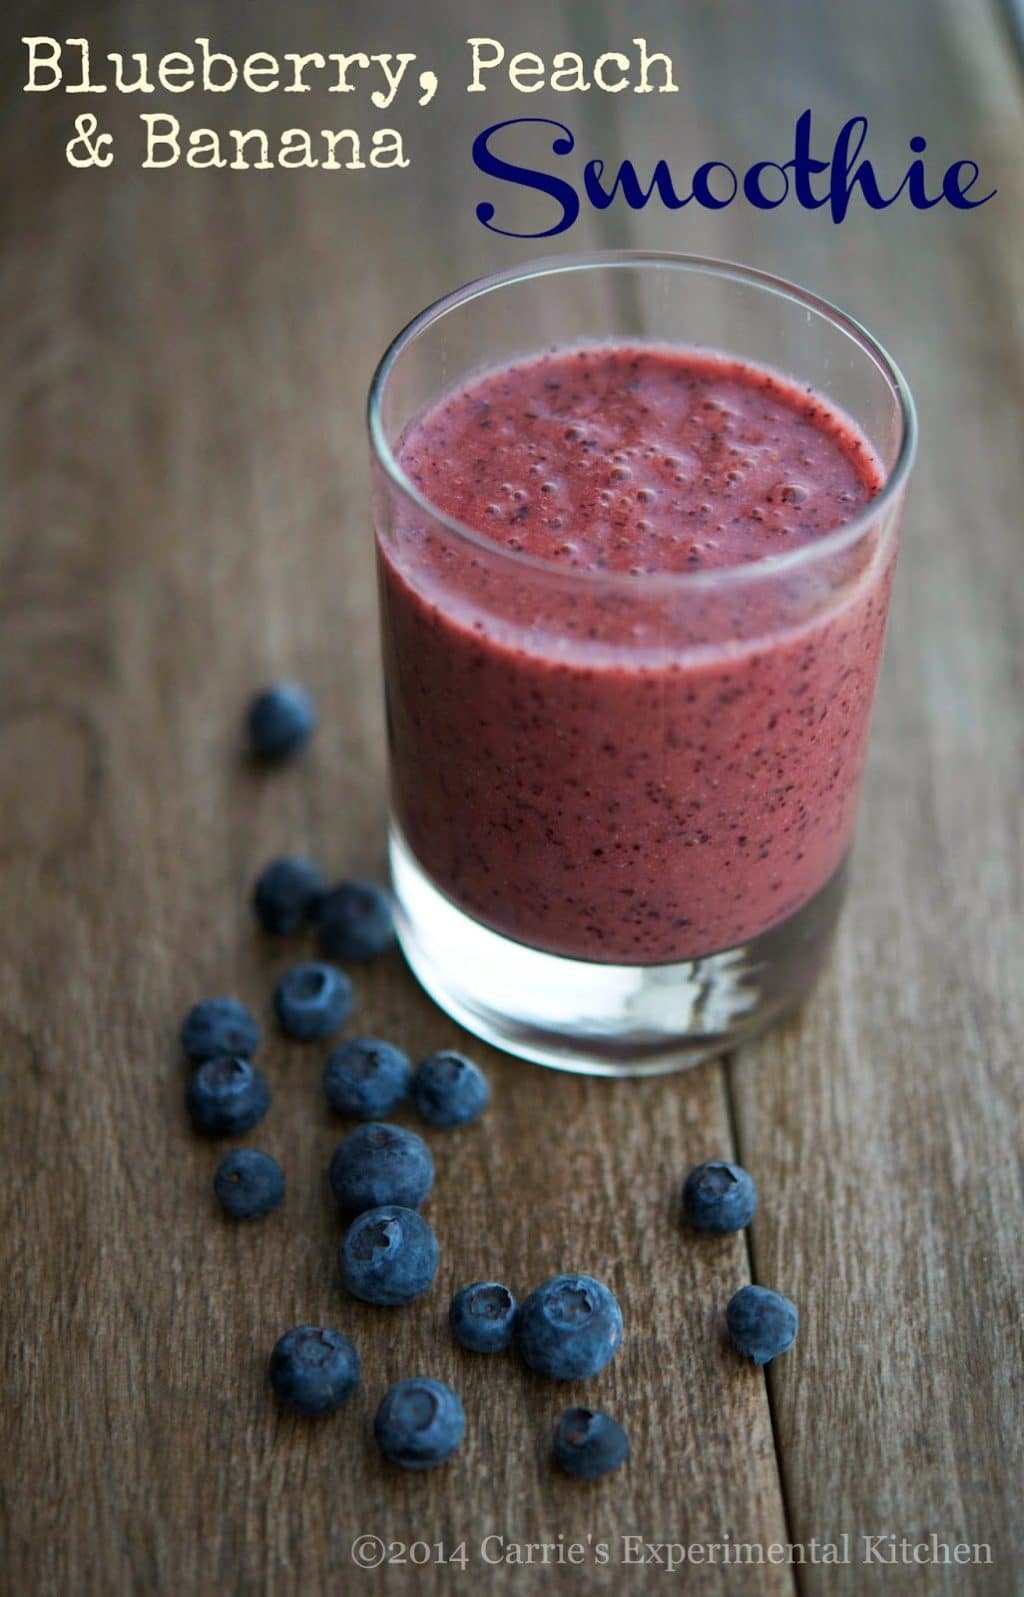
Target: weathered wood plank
(187, 359)
(885, 1125)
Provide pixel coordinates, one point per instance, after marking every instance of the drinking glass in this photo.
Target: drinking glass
(622, 805)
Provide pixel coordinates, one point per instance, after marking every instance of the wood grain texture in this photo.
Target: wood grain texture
(181, 426)
(886, 1122)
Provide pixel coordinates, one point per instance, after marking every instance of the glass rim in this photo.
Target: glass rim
(829, 543)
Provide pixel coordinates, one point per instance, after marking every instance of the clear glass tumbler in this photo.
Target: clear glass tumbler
(623, 804)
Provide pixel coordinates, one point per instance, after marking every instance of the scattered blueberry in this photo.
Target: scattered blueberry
(762, 1324)
(366, 1078)
(285, 895)
(355, 921)
(388, 1255)
(483, 1317)
(249, 1184)
(380, 1163)
(589, 1444)
(569, 1327)
(719, 1197)
(313, 1370)
(449, 1090)
(226, 1096)
(281, 719)
(219, 1026)
(419, 1423)
(312, 1001)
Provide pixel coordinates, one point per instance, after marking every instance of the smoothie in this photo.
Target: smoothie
(599, 748)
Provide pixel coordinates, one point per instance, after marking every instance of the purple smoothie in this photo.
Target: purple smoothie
(598, 747)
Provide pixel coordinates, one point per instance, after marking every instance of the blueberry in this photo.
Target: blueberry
(483, 1317)
(312, 1370)
(388, 1255)
(449, 1090)
(380, 1163)
(719, 1197)
(569, 1327)
(285, 895)
(419, 1423)
(366, 1078)
(226, 1095)
(219, 1026)
(762, 1324)
(589, 1444)
(281, 719)
(312, 1001)
(249, 1184)
(355, 921)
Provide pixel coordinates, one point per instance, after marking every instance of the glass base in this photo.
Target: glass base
(598, 1019)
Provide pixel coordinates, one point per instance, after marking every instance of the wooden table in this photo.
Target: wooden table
(186, 358)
